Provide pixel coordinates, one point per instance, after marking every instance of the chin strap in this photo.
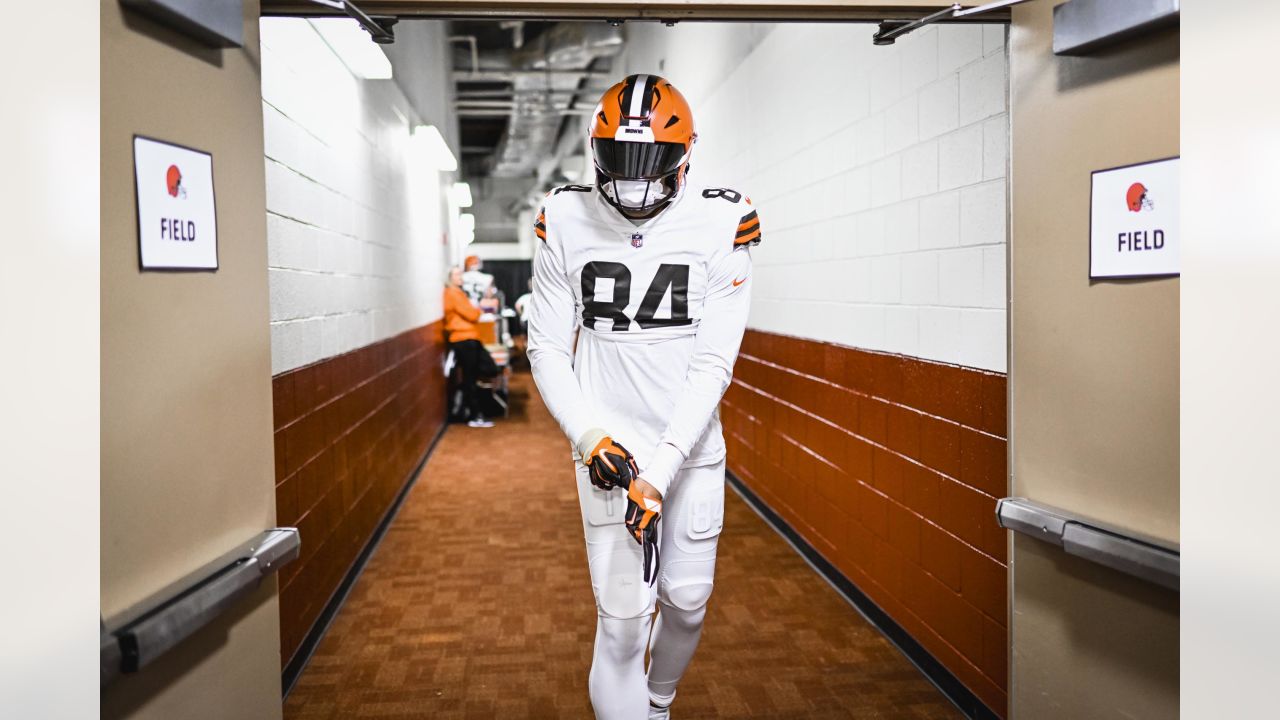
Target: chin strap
(608, 188)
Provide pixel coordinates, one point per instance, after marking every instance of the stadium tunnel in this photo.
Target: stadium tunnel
(953, 451)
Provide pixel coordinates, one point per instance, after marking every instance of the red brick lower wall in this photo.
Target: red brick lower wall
(348, 431)
(890, 466)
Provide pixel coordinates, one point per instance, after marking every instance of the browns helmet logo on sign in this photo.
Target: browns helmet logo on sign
(173, 179)
(1138, 199)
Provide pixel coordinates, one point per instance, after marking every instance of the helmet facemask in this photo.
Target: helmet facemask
(639, 177)
(637, 196)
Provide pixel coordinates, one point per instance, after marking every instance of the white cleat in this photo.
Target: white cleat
(659, 712)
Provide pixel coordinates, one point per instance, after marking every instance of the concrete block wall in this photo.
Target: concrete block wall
(879, 173)
(356, 216)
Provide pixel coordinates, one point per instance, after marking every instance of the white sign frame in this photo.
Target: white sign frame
(1105, 262)
(156, 204)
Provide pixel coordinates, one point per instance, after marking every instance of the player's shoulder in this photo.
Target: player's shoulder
(566, 204)
(730, 206)
(567, 196)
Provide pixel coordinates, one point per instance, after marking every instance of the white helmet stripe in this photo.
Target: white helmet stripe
(637, 98)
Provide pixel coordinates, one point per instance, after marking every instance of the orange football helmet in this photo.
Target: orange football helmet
(641, 138)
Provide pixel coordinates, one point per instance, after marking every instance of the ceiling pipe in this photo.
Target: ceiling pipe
(591, 92)
(517, 32)
(544, 74)
(485, 103)
(488, 75)
(504, 112)
(475, 51)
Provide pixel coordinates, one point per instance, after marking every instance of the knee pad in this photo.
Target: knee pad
(688, 598)
(622, 640)
(618, 581)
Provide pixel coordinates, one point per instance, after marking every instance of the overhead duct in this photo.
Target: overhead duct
(542, 73)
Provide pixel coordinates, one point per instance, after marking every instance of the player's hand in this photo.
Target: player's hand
(610, 465)
(644, 510)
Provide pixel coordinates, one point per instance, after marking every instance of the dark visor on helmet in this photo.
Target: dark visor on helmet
(637, 160)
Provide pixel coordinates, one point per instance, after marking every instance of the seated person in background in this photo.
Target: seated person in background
(460, 317)
(490, 302)
(522, 303)
(474, 280)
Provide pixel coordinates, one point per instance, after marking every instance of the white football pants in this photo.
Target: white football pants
(692, 517)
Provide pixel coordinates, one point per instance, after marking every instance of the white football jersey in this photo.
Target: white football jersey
(657, 310)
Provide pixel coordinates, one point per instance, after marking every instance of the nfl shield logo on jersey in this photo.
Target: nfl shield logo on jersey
(637, 240)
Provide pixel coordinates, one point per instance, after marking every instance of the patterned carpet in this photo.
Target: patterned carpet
(477, 604)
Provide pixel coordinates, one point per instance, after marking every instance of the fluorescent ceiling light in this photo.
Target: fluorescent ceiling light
(462, 194)
(431, 142)
(353, 46)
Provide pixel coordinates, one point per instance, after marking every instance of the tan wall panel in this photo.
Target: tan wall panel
(1089, 642)
(187, 466)
(1093, 380)
(1094, 365)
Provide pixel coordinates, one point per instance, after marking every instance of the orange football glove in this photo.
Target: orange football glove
(643, 514)
(610, 465)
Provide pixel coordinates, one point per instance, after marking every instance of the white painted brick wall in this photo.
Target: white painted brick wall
(354, 216)
(879, 173)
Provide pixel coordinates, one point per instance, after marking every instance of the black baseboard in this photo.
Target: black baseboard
(293, 669)
(928, 665)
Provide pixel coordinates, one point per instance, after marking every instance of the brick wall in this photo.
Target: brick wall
(890, 466)
(348, 432)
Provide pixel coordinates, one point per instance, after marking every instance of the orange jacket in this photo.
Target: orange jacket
(460, 316)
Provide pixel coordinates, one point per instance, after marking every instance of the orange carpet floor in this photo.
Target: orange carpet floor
(477, 604)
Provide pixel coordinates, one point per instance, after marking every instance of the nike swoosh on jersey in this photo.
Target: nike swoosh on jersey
(736, 283)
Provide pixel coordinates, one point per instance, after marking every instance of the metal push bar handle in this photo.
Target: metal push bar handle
(1142, 557)
(136, 637)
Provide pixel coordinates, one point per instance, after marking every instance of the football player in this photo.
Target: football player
(641, 292)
